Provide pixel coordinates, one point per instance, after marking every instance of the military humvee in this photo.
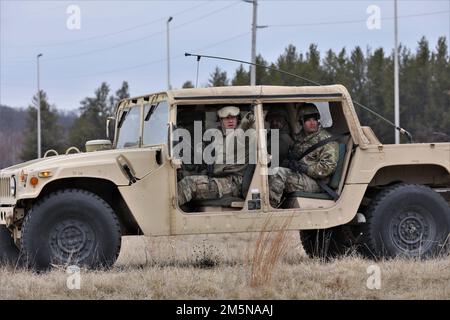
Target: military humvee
(386, 200)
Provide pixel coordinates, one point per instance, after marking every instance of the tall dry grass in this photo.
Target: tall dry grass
(168, 268)
(270, 246)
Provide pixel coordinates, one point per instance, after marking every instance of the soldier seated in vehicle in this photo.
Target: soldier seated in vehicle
(277, 120)
(302, 170)
(223, 178)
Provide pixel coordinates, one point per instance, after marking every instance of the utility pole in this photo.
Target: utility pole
(38, 111)
(169, 87)
(396, 78)
(254, 27)
(253, 67)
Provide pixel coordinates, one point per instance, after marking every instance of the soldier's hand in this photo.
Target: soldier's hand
(250, 117)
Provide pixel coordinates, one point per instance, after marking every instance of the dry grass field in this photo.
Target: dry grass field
(221, 267)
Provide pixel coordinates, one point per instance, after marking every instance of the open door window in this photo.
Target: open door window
(289, 146)
(198, 130)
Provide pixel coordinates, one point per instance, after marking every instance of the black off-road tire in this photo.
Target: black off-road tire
(9, 253)
(328, 243)
(406, 220)
(71, 227)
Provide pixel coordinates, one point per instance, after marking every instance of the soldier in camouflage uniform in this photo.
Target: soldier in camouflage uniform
(301, 174)
(277, 121)
(225, 179)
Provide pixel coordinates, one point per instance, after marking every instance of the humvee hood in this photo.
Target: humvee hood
(66, 160)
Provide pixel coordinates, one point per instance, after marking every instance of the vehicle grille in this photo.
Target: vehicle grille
(5, 191)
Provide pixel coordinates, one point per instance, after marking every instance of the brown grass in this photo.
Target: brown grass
(270, 247)
(168, 268)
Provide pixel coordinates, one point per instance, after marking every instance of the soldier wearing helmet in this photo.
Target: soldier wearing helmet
(224, 178)
(301, 172)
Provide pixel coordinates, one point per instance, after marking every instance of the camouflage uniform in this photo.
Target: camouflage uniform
(320, 164)
(226, 178)
(202, 187)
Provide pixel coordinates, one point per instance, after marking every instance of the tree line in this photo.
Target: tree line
(369, 77)
(367, 74)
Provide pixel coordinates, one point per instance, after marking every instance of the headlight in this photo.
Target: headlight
(12, 186)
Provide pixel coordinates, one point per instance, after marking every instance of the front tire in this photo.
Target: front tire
(71, 227)
(406, 220)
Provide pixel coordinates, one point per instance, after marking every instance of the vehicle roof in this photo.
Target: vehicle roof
(276, 94)
(255, 92)
(251, 93)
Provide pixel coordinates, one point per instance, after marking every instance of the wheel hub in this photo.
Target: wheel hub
(71, 239)
(412, 229)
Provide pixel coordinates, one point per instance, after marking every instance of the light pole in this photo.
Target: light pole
(38, 110)
(396, 78)
(168, 55)
(253, 68)
(254, 27)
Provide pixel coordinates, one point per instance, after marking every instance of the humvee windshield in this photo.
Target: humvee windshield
(155, 123)
(128, 128)
(154, 129)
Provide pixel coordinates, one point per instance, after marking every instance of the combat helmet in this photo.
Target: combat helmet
(228, 111)
(309, 110)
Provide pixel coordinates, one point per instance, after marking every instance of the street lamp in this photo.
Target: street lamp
(38, 111)
(396, 78)
(168, 55)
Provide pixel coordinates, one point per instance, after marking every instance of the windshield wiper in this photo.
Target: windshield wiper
(150, 112)
(122, 118)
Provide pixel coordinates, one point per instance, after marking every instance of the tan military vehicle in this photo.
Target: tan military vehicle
(386, 200)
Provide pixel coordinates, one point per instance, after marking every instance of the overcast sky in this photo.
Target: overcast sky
(118, 40)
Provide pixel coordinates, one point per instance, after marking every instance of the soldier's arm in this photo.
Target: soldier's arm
(328, 158)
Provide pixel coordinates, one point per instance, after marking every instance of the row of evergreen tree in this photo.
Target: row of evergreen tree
(368, 75)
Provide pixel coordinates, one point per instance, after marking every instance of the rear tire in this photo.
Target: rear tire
(406, 220)
(9, 253)
(328, 243)
(71, 227)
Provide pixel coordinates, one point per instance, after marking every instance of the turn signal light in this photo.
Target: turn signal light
(45, 174)
(34, 181)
